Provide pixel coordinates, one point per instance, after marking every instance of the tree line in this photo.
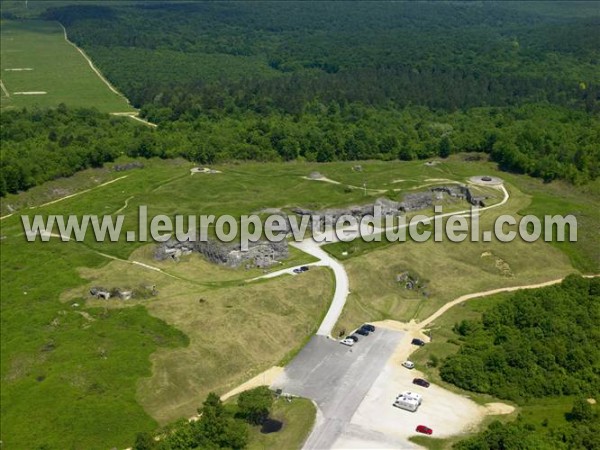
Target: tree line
(543, 141)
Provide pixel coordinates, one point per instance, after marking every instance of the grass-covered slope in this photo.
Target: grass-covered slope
(130, 365)
(53, 66)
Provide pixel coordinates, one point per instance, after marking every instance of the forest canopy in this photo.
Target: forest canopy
(329, 81)
(537, 344)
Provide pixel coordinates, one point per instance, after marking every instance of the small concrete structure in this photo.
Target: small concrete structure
(100, 293)
(486, 180)
(125, 294)
(203, 170)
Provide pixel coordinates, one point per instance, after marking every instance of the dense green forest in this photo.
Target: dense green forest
(342, 81)
(537, 344)
(42, 145)
(265, 56)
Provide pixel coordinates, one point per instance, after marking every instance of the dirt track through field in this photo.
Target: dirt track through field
(91, 64)
(4, 89)
(79, 193)
(69, 196)
(464, 298)
(134, 114)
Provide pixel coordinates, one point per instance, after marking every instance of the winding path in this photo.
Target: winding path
(44, 235)
(60, 199)
(91, 64)
(464, 298)
(133, 114)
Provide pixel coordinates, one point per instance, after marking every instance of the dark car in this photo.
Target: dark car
(362, 332)
(304, 268)
(368, 327)
(418, 342)
(353, 337)
(421, 382)
(423, 429)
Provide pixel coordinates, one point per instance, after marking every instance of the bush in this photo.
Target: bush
(255, 405)
(582, 411)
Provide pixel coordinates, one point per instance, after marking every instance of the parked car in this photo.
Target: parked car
(368, 327)
(349, 342)
(421, 382)
(409, 364)
(304, 268)
(298, 270)
(353, 337)
(362, 332)
(423, 429)
(418, 342)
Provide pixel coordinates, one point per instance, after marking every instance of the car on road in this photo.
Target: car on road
(362, 332)
(349, 342)
(303, 268)
(368, 327)
(418, 342)
(353, 337)
(421, 382)
(423, 429)
(297, 270)
(409, 364)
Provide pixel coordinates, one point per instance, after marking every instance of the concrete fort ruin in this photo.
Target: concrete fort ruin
(264, 254)
(260, 254)
(414, 201)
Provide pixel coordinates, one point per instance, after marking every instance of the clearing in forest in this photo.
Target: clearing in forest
(36, 58)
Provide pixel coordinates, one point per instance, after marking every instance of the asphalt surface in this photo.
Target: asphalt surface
(337, 378)
(342, 285)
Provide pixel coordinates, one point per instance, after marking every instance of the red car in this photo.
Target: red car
(423, 429)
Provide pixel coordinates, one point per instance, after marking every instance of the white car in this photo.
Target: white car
(409, 364)
(349, 342)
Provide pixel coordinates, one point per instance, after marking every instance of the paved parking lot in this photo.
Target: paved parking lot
(355, 388)
(377, 424)
(337, 378)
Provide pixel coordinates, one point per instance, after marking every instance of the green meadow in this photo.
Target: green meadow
(83, 373)
(36, 58)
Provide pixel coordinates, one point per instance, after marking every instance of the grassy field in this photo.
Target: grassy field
(297, 416)
(258, 323)
(453, 269)
(448, 271)
(57, 68)
(68, 380)
(91, 376)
